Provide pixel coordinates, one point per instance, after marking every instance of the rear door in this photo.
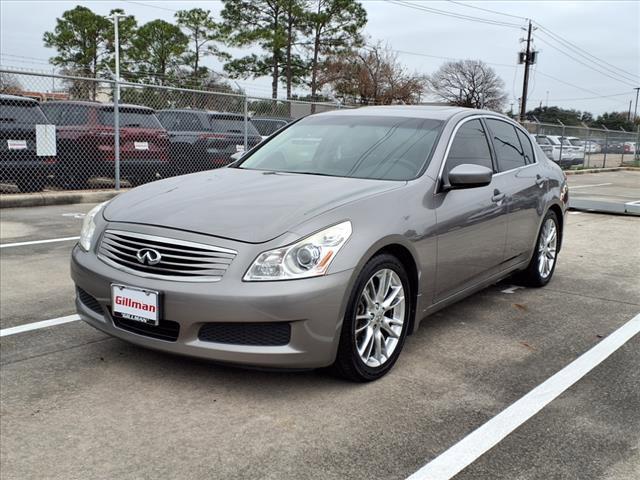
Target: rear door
(471, 223)
(523, 185)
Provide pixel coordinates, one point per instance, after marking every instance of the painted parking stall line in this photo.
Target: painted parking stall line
(5, 332)
(589, 186)
(38, 242)
(481, 440)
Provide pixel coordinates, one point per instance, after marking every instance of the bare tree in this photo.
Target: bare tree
(372, 75)
(469, 83)
(9, 83)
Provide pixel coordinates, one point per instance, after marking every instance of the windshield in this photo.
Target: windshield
(384, 148)
(130, 117)
(231, 124)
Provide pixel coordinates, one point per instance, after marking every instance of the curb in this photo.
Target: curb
(600, 170)
(56, 198)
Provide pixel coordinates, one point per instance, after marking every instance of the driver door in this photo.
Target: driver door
(471, 222)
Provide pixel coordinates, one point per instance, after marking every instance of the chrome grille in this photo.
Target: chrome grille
(180, 260)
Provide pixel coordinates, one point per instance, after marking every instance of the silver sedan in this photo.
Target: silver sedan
(328, 243)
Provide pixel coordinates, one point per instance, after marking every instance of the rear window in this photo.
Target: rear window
(231, 124)
(129, 117)
(576, 142)
(62, 114)
(19, 111)
(267, 126)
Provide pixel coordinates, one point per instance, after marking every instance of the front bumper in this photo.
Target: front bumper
(313, 307)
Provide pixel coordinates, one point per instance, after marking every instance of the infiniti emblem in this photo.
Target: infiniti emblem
(148, 256)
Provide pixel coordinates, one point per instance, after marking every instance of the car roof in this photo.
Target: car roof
(280, 119)
(89, 103)
(20, 98)
(198, 110)
(414, 111)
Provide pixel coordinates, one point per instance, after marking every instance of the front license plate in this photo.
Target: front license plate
(141, 145)
(136, 304)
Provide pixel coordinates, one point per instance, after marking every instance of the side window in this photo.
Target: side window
(529, 157)
(167, 120)
(506, 144)
(52, 112)
(469, 146)
(187, 122)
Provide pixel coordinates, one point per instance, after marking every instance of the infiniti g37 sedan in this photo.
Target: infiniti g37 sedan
(326, 244)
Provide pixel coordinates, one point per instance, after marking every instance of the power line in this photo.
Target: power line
(142, 4)
(583, 52)
(487, 10)
(592, 67)
(587, 98)
(455, 15)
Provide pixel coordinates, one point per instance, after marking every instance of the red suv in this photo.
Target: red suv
(85, 132)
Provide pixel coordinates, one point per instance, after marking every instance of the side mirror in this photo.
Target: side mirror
(468, 175)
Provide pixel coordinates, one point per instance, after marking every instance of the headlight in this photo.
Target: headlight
(309, 257)
(89, 227)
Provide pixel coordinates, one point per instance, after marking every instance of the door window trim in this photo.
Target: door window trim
(450, 142)
(494, 160)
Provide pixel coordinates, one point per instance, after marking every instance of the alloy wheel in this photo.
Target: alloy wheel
(547, 248)
(380, 317)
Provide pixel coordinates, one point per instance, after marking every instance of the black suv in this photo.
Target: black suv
(19, 159)
(203, 140)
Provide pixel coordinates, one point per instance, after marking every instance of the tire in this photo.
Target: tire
(535, 275)
(350, 364)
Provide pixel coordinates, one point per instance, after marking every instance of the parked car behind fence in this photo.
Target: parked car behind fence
(267, 126)
(20, 162)
(202, 140)
(86, 147)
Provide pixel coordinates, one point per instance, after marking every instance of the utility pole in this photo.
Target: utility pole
(635, 111)
(525, 83)
(116, 101)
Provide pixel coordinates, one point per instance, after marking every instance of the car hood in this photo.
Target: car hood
(246, 205)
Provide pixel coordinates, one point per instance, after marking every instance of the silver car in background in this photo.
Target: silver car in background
(328, 243)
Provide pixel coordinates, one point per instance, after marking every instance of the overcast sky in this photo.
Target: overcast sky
(609, 30)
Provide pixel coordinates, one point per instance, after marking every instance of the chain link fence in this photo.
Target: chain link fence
(61, 132)
(583, 147)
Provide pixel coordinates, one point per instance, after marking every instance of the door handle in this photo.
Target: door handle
(540, 181)
(498, 196)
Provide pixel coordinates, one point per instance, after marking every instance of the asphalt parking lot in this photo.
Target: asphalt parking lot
(613, 192)
(78, 404)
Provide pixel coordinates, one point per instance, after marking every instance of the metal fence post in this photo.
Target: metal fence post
(246, 123)
(116, 105)
(585, 162)
(606, 145)
(624, 138)
(561, 142)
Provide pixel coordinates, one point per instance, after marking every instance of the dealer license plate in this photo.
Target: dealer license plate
(136, 304)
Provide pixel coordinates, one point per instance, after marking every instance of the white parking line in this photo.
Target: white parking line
(37, 325)
(589, 186)
(37, 242)
(478, 442)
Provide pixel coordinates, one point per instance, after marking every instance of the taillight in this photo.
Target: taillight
(50, 160)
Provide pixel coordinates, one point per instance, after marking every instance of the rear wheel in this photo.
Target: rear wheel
(543, 263)
(376, 321)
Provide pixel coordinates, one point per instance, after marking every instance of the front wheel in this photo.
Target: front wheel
(376, 321)
(543, 262)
